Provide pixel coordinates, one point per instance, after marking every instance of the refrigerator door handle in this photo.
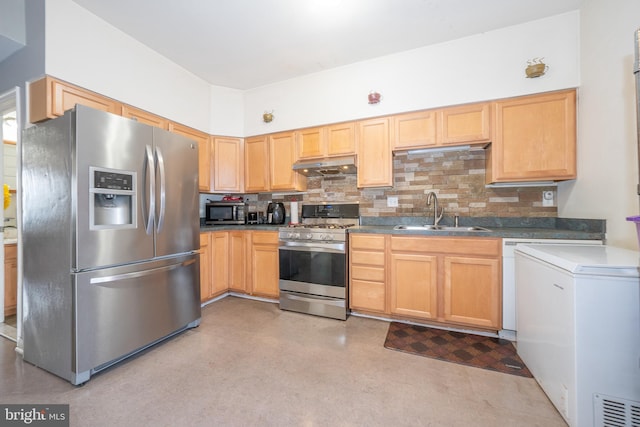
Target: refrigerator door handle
(137, 274)
(163, 187)
(149, 212)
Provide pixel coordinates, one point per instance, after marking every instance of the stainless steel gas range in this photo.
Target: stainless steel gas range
(313, 260)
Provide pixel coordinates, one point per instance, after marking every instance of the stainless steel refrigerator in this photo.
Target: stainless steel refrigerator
(110, 234)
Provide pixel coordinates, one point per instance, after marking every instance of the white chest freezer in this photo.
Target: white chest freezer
(578, 328)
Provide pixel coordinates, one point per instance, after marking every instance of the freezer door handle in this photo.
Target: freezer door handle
(163, 188)
(148, 212)
(137, 274)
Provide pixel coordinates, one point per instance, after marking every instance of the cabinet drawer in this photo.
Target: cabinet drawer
(368, 258)
(367, 295)
(485, 246)
(367, 242)
(361, 272)
(265, 237)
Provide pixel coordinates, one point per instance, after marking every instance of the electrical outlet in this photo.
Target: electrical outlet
(392, 202)
(547, 198)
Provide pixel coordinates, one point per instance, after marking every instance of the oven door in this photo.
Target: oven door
(313, 278)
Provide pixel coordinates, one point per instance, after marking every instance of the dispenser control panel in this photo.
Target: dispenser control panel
(112, 180)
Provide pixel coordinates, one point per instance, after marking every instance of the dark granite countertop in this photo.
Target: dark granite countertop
(509, 227)
(263, 227)
(523, 228)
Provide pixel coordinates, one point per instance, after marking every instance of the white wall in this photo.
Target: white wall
(607, 151)
(481, 67)
(87, 51)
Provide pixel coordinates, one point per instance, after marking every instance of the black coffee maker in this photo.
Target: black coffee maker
(279, 213)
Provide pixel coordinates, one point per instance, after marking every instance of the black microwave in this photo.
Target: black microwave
(219, 213)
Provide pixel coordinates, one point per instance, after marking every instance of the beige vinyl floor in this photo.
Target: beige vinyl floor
(251, 364)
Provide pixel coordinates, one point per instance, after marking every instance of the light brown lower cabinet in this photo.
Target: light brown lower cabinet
(243, 261)
(452, 280)
(237, 261)
(205, 266)
(264, 264)
(367, 288)
(471, 291)
(10, 279)
(447, 279)
(414, 285)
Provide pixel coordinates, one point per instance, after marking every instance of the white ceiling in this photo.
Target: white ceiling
(244, 44)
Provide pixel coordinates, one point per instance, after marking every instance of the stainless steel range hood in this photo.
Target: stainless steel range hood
(331, 166)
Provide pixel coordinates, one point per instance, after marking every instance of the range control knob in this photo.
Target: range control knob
(308, 236)
(326, 237)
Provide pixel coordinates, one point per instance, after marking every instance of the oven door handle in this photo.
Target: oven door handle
(337, 248)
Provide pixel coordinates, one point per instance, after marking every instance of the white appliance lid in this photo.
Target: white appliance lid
(587, 259)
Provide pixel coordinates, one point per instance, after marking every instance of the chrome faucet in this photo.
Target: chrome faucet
(436, 218)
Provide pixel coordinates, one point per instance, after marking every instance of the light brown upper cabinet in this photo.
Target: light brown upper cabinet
(415, 130)
(465, 124)
(326, 141)
(374, 162)
(311, 143)
(50, 98)
(534, 138)
(341, 139)
(144, 117)
(228, 164)
(282, 156)
(204, 153)
(256, 164)
(461, 125)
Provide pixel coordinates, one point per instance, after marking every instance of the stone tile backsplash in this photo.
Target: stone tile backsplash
(457, 177)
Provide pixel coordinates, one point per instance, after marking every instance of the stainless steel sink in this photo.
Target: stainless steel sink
(440, 228)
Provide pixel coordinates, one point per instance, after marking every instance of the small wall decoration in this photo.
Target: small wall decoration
(536, 68)
(374, 97)
(267, 117)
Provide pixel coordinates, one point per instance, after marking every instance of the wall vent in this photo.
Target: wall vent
(615, 412)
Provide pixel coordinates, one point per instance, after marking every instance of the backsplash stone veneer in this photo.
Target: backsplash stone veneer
(457, 177)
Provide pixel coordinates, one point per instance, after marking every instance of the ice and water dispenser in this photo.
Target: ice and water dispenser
(112, 201)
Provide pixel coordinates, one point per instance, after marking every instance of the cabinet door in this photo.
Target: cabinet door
(311, 143)
(50, 98)
(237, 261)
(10, 280)
(282, 155)
(144, 117)
(472, 291)
(256, 164)
(341, 139)
(228, 164)
(466, 124)
(219, 262)
(265, 264)
(204, 153)
(415, 130)
(205, 267)
(375, 168)
(414, 284)
(535, 138)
